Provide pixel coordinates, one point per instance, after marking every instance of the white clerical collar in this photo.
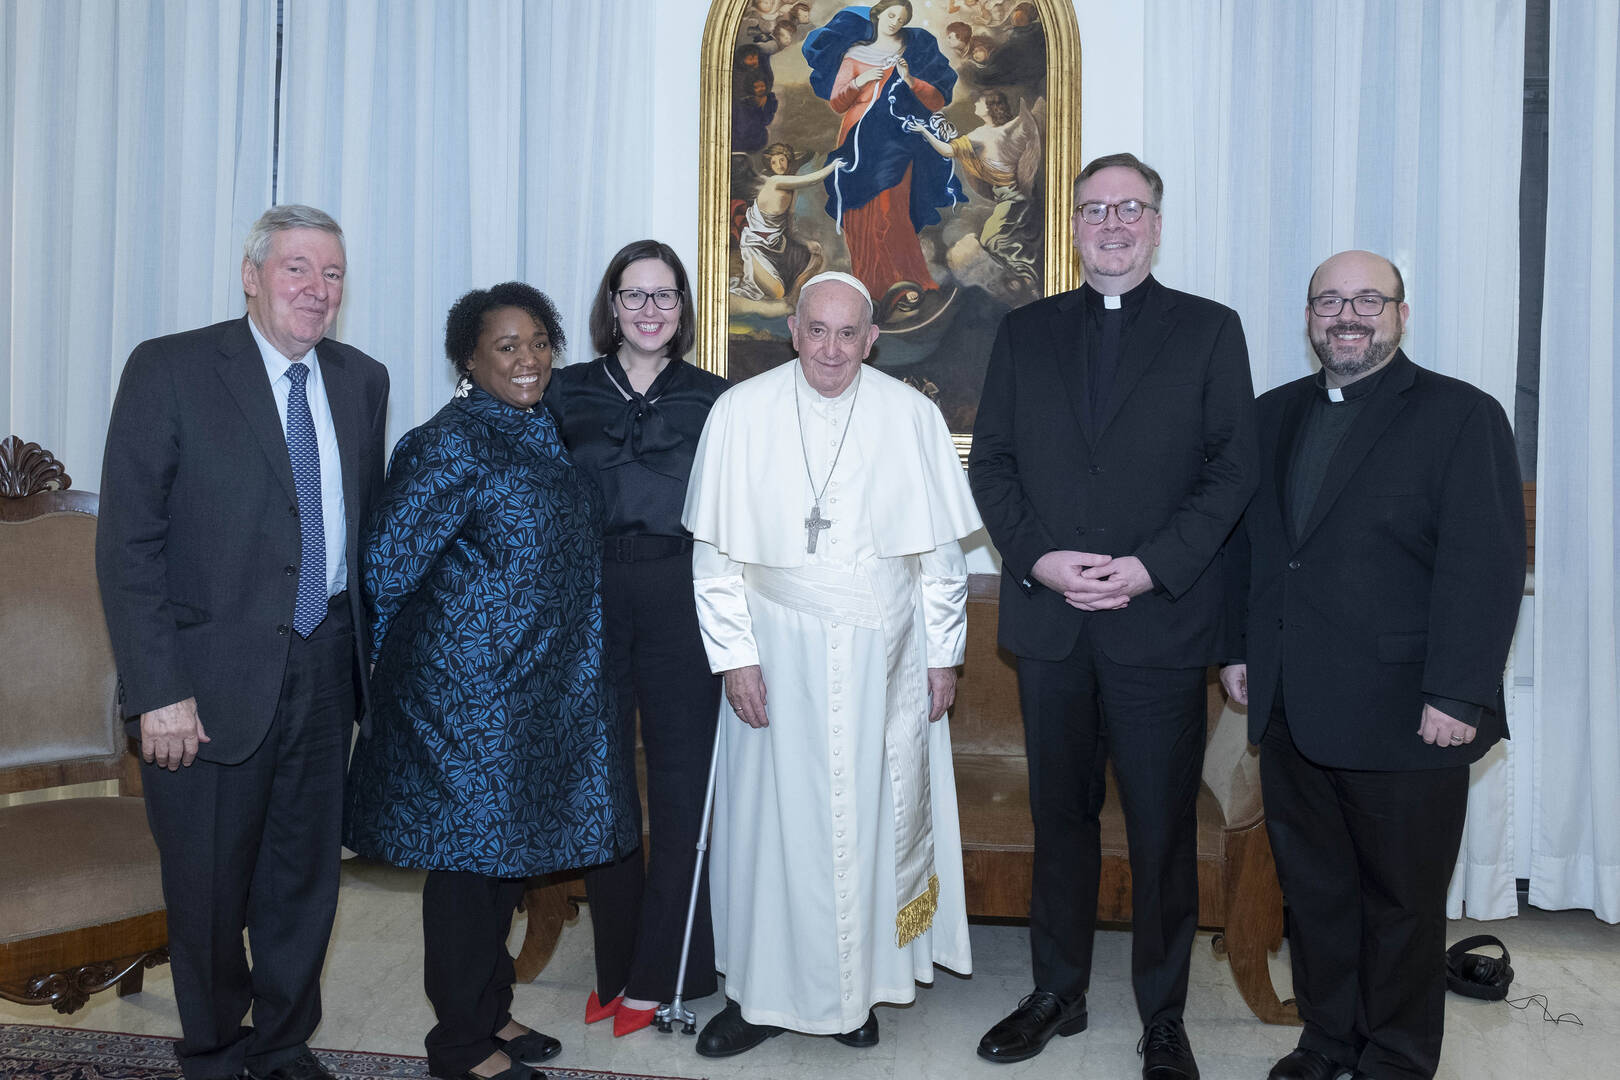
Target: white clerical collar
(1111, 302)
(1335, 394)
(815, 397)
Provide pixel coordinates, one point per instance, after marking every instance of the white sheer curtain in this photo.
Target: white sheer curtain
(1286, 132)
(135, 143)
(460, 145)
(1575, 846)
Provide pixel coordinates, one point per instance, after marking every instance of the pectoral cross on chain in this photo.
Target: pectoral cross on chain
(813, 525)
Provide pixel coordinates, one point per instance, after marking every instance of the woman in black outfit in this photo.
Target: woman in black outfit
(631, 419)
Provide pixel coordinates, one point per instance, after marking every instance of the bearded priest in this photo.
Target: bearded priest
(826, 504)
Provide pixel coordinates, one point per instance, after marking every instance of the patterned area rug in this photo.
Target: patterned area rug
(49, 1053)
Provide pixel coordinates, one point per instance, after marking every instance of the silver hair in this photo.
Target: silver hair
(279, 218)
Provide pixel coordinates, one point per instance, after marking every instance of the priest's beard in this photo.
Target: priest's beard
(1346, 366)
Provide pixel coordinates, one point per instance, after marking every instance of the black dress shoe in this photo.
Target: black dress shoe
(515, 1071)
(302, 1067)
(728, 1033)
(1303, 1064)
(1166, 1054)
(531, 1048)
(863, 1036)
(1026, 1030)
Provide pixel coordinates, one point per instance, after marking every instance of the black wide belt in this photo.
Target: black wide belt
(644, 548)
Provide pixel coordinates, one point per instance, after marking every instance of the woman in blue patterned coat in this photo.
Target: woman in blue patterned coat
(490, 756)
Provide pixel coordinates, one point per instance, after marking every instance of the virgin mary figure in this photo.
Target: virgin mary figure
(878, 73)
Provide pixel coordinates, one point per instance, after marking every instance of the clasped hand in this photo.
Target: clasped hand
(1092, 582)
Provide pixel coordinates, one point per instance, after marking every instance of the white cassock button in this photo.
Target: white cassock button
(835, 644)
(843, 937)
(840, 853)
(844, 956)
(837, 731)
(840, 874)
(846, 997)
(839, 835)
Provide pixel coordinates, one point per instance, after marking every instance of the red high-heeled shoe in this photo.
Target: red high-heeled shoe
(595, 1010)
(627, 1020)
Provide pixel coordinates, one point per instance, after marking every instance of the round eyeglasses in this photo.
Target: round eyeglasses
(1366, 305)
(636, 299)
(1129, 212)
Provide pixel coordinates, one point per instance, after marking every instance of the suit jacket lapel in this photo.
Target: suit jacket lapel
(1068, 328)
(1383, 405)
(343, 399)
(241, 368)
(1147, 336)
(1293, 418)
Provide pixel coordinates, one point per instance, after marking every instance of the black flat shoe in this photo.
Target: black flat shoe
(515, 1071)
(530, 1048)
(1027, 1029)
(303, 1067)
(1166, 1054)
(863, 1036)
(728, 1033)
(1303, 1064)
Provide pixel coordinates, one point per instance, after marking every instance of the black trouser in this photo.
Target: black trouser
(256, 845)
(1365, 859)
(1078, 713)
(466, 968)
(655, 659)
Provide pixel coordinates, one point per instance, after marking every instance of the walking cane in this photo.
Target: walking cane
(668, 1015)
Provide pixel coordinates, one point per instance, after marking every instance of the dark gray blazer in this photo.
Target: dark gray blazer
(197, 545)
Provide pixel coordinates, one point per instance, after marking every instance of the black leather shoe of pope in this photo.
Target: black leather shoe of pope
(1026, 1030)
(1166, 1054)
(863, 1036)
(530, 1048)
(728, 1033)
(1303, 1064)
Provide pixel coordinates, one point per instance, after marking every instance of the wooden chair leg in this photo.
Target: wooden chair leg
(549, 906)
(1254, 922)
(132, 981)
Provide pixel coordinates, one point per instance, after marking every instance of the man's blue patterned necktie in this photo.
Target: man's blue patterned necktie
(305, 453)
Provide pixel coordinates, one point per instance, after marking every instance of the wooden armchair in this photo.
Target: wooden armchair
(82, 907)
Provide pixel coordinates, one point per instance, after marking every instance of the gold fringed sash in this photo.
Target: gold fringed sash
(918, 915)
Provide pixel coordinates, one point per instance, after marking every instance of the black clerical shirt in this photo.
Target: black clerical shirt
(1107, 337)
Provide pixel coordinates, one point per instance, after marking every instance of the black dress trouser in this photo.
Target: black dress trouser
(466, 969)
(657, 664)
(256, 844)
(1079, 712)
(1365, 859)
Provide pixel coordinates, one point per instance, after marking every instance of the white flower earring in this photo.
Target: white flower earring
(463, 385)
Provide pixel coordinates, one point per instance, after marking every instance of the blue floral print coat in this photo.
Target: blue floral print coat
(489, 748)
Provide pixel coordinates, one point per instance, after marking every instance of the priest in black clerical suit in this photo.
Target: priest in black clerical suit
(1112, 454)
(1375, 583)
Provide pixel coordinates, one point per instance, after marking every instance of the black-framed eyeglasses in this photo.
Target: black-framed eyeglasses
(1129, 212)
(1366, 305)
(636, 299)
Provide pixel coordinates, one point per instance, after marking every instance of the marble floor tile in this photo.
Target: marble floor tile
(373, 1000)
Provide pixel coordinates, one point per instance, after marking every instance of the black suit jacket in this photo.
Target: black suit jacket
(1405, 581)
(1164, 478)
(197, 546)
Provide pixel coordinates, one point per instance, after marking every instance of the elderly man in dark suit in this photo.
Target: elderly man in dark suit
(241, 461)
(1112, 454)
(1381, 565)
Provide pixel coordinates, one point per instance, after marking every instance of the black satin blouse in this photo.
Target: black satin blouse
(639, 451)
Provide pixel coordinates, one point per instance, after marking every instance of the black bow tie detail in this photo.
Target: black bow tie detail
(640, 431)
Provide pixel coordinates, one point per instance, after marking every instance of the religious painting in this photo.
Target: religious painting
(924, 146)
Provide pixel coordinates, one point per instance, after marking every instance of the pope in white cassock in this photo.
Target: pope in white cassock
(826, 504)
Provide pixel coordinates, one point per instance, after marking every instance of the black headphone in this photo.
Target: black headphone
(1473, 975)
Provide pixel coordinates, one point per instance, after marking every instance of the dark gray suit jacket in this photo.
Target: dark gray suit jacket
(197, 546)
(1164, 477)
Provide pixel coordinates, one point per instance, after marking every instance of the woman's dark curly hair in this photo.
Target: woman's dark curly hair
(466, 319)
(602, 322)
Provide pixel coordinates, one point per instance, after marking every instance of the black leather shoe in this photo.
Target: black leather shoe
(863, 1036)
(1166, 1054)
(515, 1071)
(302, 1067)
(728, 1033)
(1026, 1030)
(531, 1048)
(1303, 1064)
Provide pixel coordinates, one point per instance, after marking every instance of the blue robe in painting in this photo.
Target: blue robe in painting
(878, 150)
(489, 748)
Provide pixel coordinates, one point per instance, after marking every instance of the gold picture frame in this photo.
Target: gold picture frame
(724, 41)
